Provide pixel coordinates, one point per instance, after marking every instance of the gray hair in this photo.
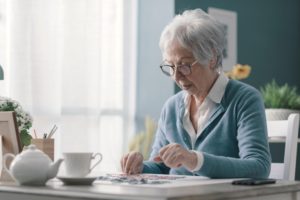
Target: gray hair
(197, 31)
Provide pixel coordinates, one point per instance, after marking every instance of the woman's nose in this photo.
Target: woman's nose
(177, 74)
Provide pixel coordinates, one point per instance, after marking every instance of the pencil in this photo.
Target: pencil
(35, 135)
(52, 131)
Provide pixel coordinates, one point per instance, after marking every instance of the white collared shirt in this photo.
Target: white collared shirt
(205, 111)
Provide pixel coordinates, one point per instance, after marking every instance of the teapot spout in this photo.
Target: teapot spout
(53, 169)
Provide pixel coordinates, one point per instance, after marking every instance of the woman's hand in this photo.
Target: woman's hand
(174, 155)
(132, 163)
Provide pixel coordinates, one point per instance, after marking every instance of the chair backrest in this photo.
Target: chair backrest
(285, 131)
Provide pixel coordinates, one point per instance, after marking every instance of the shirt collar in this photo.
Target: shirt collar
(217, 91)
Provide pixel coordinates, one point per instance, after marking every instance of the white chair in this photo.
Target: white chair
(285, 131)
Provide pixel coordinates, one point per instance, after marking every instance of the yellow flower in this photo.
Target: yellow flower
(239, 72)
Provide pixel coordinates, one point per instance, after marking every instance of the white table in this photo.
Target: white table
(206, 189)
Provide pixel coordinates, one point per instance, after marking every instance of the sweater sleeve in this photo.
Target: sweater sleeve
(156, 167)
(251, 133)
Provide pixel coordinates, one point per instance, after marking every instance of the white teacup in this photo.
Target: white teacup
(79, 164)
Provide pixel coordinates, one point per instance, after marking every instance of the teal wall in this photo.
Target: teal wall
(153, 87)
(268, 40)
(268, 36)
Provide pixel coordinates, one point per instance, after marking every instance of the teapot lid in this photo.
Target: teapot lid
(32, 152)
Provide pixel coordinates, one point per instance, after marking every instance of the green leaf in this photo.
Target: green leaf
(25, 138)
(276, 96)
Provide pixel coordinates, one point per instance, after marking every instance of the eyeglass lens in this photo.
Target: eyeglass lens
(169, 70)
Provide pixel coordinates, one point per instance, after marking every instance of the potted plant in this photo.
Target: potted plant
(280, 100)
(24, 120)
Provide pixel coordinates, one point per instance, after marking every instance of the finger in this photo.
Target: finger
(170, 159)
(157, 159)
(134, 165)
(169, 147)
(175, 160)
(173, 156)
(163, 150)
(127, 165)
(123, 162)
(179, 165)
(166, 152)
(135, 170)
(130, 160)
(137, 165)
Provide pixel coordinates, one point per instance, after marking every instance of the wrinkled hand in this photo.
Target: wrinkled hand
(132, 163)
(174, 156)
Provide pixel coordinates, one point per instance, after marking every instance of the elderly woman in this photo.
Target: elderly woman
(214, 127)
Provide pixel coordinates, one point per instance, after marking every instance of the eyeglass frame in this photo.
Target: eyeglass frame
(176, 67)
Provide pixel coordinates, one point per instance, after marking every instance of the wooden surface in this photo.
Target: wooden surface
(45, 145)
(10, 133)
(55, 190)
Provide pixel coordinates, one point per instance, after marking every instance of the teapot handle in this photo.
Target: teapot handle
(5, 157)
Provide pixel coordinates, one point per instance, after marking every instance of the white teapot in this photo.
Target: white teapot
(31, 167)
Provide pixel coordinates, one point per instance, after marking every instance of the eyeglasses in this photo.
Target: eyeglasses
(184, 69)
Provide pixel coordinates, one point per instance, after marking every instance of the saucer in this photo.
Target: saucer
(77, 180)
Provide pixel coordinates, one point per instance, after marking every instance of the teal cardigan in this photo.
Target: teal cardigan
(234, 140)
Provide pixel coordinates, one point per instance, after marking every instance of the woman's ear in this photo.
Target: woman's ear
(213, 60)
(212, 63)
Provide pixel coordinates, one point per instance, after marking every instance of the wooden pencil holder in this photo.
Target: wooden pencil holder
(45, 145)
